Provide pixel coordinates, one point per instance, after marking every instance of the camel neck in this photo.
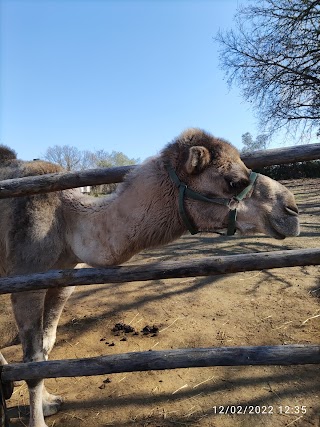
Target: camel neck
(141, 215)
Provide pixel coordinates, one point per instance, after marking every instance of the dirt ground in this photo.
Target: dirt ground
(271, 307)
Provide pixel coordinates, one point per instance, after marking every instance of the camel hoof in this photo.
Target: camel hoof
(52, 405)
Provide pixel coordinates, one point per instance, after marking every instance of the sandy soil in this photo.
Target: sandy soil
(253, 308)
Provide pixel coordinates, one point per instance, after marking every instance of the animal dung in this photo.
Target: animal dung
(150, 330)
(122, 327)
(104, 382)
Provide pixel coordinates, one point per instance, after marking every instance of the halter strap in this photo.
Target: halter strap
(184, 191)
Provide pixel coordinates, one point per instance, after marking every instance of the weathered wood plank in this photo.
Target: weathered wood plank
(61, 181)
(18, 187)
(165, 359)
(279, 156)
(163, 270)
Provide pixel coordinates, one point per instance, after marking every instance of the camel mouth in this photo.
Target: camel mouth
(271, 231)
(271, 228)
(276, 235)
(280, 230)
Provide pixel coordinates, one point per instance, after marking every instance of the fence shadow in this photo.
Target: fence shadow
(273, 390)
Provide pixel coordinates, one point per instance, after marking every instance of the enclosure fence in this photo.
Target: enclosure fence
(218, 265)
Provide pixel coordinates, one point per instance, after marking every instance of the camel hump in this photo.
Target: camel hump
(6, 154)
(40, 167)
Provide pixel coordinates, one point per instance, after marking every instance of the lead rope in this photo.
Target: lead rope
(183, 214)
(231, 222)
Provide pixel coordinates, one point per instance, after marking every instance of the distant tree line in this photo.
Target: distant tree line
(73, 159)
(308, 169)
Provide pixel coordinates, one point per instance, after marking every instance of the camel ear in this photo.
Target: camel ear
(199, 158)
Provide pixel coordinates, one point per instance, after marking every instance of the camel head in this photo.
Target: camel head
(212, 168)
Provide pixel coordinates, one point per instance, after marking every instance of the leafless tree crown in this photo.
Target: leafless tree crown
(273, 54)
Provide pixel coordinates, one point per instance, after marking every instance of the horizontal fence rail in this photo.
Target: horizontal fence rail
(166, 359)
(212, 266)
(61, 181)
(281, 156)
(38, 184)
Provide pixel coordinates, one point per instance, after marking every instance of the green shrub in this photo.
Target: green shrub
(308, 169)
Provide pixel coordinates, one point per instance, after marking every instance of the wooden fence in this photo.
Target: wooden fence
(61, 181)
(166, 359)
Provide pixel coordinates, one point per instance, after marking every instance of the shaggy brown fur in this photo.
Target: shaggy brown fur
(58, 230)
(6, 154)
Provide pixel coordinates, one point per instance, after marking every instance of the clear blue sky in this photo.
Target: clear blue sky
(115, 75)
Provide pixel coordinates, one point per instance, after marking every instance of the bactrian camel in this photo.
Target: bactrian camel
(58, 230)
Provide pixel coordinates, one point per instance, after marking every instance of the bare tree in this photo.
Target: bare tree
(102, 158)
(249, 144)
(273, 54)
(115, 158)
(70, 158)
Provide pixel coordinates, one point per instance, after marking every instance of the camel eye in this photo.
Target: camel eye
(239, 184)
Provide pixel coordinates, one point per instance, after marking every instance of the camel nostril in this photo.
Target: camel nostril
(292, 210)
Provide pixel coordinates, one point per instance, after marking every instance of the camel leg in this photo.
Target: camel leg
(53, 305)
(28, 311)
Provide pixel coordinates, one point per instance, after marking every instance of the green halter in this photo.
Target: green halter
(184, 191)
